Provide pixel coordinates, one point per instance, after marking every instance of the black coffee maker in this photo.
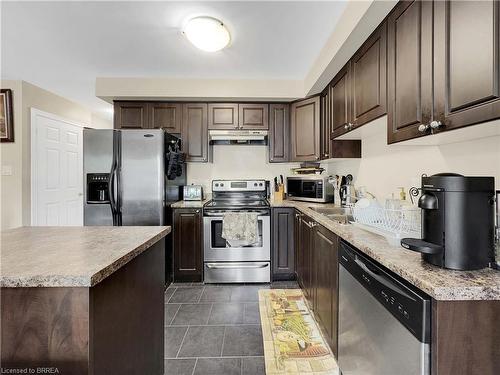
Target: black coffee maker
(458, 221)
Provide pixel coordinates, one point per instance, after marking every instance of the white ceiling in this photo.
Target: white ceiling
(64, 46)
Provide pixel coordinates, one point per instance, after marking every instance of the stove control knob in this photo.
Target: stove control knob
(260, 184)
(254, 184)
(216, 185)
(221, 185)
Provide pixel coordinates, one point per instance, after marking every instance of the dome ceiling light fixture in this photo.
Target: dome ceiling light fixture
(207, 33)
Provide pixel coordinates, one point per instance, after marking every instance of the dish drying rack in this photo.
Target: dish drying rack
(393, 224)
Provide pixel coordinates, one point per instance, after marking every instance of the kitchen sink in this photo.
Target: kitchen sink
(342, 215)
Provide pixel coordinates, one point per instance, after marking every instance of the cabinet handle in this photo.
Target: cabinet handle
(435, 124)
(313, 224)
(422, 128)
(197, 211)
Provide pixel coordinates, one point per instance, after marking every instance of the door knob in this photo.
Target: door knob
(435, 124)
(422, 128)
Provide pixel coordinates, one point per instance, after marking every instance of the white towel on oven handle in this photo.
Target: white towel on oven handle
(240, 228)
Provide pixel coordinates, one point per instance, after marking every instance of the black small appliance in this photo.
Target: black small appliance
(458, 221)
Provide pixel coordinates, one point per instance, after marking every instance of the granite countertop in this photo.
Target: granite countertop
(190, 204)
(70, 256)
(439, 283)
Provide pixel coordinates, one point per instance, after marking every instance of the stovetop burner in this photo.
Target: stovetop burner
(238, 195)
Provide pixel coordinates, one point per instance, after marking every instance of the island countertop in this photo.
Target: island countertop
(70, 256)
(441, 284)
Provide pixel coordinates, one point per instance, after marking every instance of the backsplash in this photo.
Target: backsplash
(236, 162)
(383, 168)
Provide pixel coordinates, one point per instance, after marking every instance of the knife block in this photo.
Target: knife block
(280, 194)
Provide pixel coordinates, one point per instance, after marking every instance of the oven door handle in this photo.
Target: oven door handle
(216, 266)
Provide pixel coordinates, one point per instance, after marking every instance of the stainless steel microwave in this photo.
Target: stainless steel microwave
(309, 188)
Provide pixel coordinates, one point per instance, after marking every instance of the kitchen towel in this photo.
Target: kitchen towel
(240, 228)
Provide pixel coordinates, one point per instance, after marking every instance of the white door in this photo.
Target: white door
(56, 170)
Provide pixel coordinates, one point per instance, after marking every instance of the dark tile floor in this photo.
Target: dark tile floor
(214, 329)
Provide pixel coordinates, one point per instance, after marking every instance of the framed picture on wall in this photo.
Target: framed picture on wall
(6, 116)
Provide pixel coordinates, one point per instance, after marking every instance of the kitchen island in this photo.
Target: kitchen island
(83, 300)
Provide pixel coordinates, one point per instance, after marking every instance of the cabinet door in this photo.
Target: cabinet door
(283, 243)
(223, 116)
(340, 102)
(279, 132)
(409, 70)
(369, 83)
(299, 255)
(194, 131)
(166, 116)
(187, 245)
(306, 232)
(131, 115)
(466, 62)
(253, 116)
(325, 122)
(305, 130)
(325, 255)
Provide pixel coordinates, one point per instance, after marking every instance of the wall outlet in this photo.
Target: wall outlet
(6, 170)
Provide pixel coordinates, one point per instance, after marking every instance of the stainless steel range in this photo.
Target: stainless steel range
(237, 264)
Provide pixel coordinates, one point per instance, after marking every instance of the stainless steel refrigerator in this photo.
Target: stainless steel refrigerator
(125, 179)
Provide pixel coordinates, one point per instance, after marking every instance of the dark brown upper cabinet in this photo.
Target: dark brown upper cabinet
(340, 102)
(325, 123)
(305, 129)
(409, 81)
(253, 116)
(195, 132)
(369, 78)
(187, 244)
(131, 115)
(466, 62)
(279, 132)
(223, 116)
(166, 116)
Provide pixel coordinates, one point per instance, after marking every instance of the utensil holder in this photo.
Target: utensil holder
(280, 194)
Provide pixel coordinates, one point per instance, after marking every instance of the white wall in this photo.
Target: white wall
(383, 168)
(15, 194)
(236, 162)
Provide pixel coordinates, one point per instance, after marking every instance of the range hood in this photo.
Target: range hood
(238, 137)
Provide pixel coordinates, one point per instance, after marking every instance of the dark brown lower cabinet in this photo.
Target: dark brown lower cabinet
(317, 274)
(465, 338)
(283, 223)
(304, 257)
(188, 242)
(326, 282)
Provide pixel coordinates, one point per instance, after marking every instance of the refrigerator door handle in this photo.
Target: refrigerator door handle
(111, 188)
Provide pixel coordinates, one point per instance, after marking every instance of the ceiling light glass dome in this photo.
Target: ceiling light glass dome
(207, 33)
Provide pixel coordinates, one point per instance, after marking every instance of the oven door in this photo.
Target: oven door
(217, 248)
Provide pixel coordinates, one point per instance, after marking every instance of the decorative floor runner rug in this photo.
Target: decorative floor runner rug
(292, 340)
